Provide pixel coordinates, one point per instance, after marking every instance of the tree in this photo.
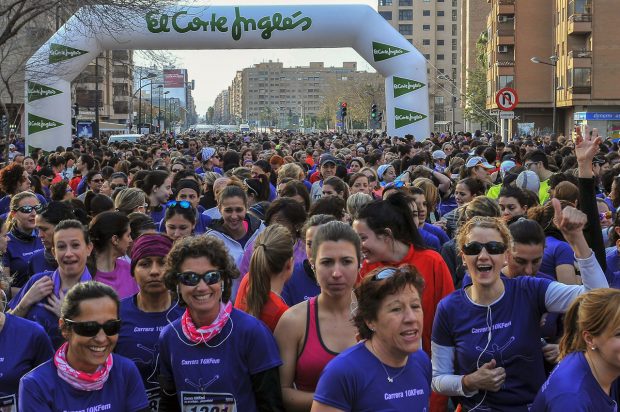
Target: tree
(476, 90)
(210, 115)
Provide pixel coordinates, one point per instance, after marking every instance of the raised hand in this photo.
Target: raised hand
(586, 145)
(571, 222)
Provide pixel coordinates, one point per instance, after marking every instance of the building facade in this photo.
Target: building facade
(432, 26)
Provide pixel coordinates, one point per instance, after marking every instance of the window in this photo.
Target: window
(405, 15)
(386, 15)
(426, 42)
(427, 56)
(440, 42)
(454, 15)
(385, 2)
(440, 57)
(440, 27)
(426, 13)
(454, 29)
(440, 13)
(439, 110)
(405, 3)
(454, 59)
(454, 4)
(453, 44)
(426, 27)
(405, 29)
(581, 77)
(505, 81)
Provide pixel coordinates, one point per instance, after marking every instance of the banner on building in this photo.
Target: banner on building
(174, 78)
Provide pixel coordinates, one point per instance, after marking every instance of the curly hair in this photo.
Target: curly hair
(209, 247)
(59, 190)
(10, 177)
(484, 222)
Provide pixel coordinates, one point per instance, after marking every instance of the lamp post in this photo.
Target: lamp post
(553, 62)
(165, 108)
(148, 76)
(452, 98)
(96, 131)
(159, 106)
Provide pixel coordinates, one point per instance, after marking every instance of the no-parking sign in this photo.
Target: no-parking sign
(507, 99)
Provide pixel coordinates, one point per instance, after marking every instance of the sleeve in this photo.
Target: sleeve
(443, 273)
(168, 391)
(447, 253)
(592, 232)
(558, 296)
(136, 394)
(564, 255)
(31, 396)
(22, 292)
(261, 349)
(335, 387)
(569, 403)
(244, 266)
(42, 346)
(267, 391)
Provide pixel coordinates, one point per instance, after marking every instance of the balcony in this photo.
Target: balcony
(506, 7)
(580, 24)
(505, 63)
(580, 89)
(506, 33)
(579, 58)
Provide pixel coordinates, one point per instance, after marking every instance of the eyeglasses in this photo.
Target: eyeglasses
(91, 329)
(29, 209)
(528, 165)
(97, 180)
(492, 248)
(605, 215)
(183, 204)
(192, 278)
(384, 274)
(114, 186)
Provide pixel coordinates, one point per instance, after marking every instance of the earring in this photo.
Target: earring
(593, 348)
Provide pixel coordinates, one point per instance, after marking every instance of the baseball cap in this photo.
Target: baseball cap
(207, 153)
(178, 141)
(478, 160)
(439, 154)
(528, 180)
(328, 159)
(381, 170)
(12, 146)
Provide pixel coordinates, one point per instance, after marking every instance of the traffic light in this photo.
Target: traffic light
(373, 111)
(343, 109)
(76, 110)
(380, 117)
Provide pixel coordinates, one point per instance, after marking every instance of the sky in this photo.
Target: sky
(214, 70)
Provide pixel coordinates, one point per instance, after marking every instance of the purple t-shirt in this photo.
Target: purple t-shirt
(430, 240)
(18, 254)
(572, 387)
(355, 381)
(16, 360)
(514, 343)
(138, 337)
(437, 231)
(43, 390)
(301, 285)
(218, 374)
(556, 253)
(119, 279)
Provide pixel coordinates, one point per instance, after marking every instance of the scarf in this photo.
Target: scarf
(81, 380)
(205, 333)
(23, 236)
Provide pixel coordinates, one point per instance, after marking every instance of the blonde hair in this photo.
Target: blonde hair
(596, 312)
(356, 201)
(479, 206)
(15, 199)
(430, 191)
(374, 172)
(272, 249)
(484, 222)
(129, 199)
(291, 170)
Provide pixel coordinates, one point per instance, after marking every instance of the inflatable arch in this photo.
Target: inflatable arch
(61, 59)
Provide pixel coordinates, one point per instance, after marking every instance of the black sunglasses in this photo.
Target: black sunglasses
(183, 204)
(492, 248)
(91, 329)
(192, 278)
(29, 209)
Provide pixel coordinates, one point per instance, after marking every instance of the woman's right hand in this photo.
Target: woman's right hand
(39, 290)
(488, 378)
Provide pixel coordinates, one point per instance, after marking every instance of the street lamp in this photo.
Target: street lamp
(148, 76)
(159, 106)
(452, 98)
(165, 108)
(553, 63)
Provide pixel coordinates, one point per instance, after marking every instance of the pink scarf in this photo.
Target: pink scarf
(81, 380)
(206, 333)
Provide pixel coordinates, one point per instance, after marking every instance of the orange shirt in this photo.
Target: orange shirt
(437, 283)
(272, 311)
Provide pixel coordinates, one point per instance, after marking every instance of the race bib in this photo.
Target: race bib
(152, 395)
(208, 402)
(8, 404)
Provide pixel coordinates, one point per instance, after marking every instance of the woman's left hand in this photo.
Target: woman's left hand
(551, 352)
(54, 303)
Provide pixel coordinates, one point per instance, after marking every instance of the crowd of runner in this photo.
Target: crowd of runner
(225, 272)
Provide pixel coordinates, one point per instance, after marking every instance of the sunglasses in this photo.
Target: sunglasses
(192, 278)
(91, 329)
(384, 274)
(97, 180)
(183, 204)
(492, 248)
(605, 215)
(29, 209)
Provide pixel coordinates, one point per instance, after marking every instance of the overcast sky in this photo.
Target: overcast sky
(214, 70)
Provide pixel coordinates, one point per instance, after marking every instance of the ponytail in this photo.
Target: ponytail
(571, 340)
(272, 250)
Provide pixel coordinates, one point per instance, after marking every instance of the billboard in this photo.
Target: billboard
(174, 78)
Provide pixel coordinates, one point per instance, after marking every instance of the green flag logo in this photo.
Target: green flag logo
(382, 51)
(405, 117)
(38, 91)
(403, 86)
(60, 52)
(38, 124)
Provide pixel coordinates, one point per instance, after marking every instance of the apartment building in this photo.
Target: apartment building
(221, 108)
(432, 26)
(574, 82)
(270, 94)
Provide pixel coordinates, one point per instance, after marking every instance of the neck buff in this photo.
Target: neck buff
(206, 333)
(81, 380)
(26, 237)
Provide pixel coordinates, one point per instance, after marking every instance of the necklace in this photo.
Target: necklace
(390, 379)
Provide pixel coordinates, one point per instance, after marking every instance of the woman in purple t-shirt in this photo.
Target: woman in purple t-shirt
(110, 234)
